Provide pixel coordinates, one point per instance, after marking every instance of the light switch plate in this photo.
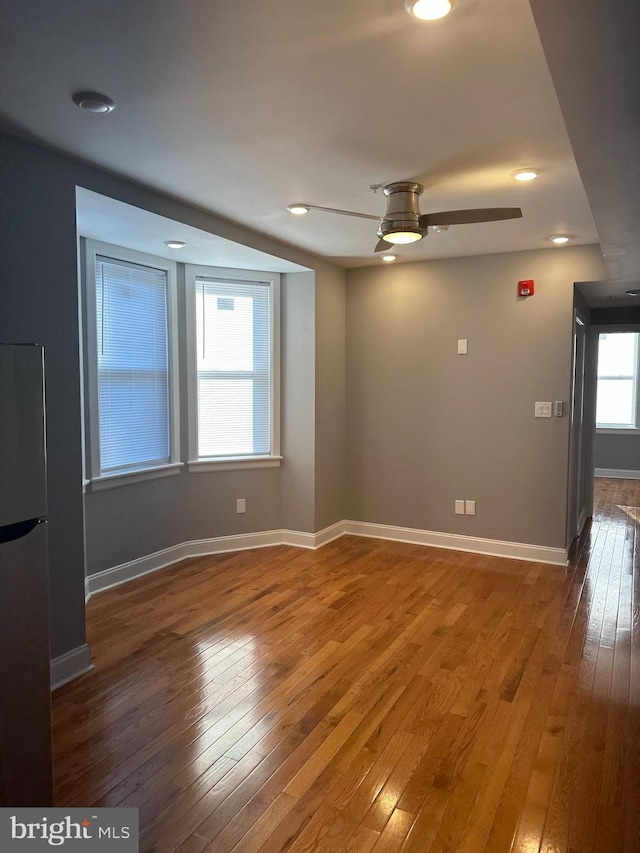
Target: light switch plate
(470, 507)
(459, 507)
(463, 344)
(558, 408)
(241, 505)
(543, 410)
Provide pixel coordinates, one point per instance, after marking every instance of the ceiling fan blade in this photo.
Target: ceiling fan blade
(466, 217)
(383, 246)
(343, 212)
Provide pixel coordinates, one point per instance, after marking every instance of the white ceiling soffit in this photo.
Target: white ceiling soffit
(242, 108)
(593, 50)
(120, 224)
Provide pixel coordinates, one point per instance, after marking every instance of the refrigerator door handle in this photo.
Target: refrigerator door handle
(10, 532)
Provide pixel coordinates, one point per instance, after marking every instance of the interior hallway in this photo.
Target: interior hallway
(369, 696)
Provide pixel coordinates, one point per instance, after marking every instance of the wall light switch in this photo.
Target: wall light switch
(459, 507)
(543, 410)
(558, 408)
(462, 346)
(470, 507)
(241, 505)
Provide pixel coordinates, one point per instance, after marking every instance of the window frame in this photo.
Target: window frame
(620, 429)
(198, 464)
(96, 478)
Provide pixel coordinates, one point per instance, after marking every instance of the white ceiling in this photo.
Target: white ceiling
(241, 108)
(120, 224)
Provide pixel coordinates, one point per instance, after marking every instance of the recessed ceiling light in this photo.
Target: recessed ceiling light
(428, 10)
(298, 209)
(634, 292)
(94, 102)
(175, 244)
(559, 239)
(524, 175)
(388, 258)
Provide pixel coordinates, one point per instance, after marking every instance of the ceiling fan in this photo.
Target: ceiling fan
(403, 222)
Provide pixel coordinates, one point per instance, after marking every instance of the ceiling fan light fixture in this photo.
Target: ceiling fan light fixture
(524, 175)
(428, 10)
(298, 209)
(401, 238)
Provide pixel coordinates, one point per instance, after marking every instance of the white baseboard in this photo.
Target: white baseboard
(125, 572)
(70, 665)
(456, 542)
(617, 473)
(134, 569)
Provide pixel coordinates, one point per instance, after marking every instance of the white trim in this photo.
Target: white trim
(617, 473)
(456, 542)
(70, 666)
(125, 478)
(233, 463)
(141, 566)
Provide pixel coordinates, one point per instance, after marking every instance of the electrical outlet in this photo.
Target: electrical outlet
(241, 505)
(463, 346)
(470, 507)
(459, 507)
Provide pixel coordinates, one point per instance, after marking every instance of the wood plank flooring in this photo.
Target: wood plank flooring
(369, 696)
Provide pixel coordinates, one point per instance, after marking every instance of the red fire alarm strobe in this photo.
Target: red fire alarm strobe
(525, 288)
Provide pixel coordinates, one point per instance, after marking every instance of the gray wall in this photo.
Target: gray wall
(37, 203)
(298, 396)
(426, 426)
(618, 451)
(330, 449)
(39, 303)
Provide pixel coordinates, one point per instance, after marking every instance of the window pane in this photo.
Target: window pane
(233, 361)
(615, 402)
(133, 365)
(617, 354)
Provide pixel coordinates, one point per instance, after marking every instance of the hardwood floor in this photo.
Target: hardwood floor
(370, 696)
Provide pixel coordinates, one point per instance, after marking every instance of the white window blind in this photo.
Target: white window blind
(617, 396)
(233, 368)
(133, 366)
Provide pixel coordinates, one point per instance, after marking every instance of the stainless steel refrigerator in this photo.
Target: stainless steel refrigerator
(25, 696)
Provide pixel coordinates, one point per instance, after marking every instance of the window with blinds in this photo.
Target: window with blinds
(132, 338)
(233, 368)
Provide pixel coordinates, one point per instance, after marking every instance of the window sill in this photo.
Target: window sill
(617, 431)
(233, 463)
(113, 481)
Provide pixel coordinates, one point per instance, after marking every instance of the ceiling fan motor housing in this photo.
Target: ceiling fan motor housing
(403, 208)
